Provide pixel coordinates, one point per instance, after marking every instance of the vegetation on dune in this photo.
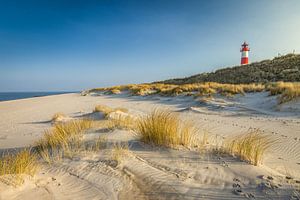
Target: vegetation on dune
(23, 162)
(122, 122)
(114, 91)
(159, 127)
(287, 91)
(62, 139)
(198, 88)
(106, 110)
(58, 117)
(283, 68)
(119, 151)
(163, 127)
(255, 77)
(96, 145)
(250, 146)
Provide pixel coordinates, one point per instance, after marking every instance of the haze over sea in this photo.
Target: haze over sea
(7, 96)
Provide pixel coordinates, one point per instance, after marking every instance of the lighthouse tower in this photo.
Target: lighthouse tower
(245, 50)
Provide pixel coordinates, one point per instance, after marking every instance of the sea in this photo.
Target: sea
(7, 96)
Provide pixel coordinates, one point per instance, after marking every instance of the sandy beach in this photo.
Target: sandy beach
(150, 172)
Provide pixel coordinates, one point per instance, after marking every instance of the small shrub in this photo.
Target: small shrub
(250, 146)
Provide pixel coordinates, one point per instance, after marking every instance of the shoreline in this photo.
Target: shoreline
(33, 97)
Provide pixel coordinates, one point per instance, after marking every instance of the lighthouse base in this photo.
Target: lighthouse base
(244, 61)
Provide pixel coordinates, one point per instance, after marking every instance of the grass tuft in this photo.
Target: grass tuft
(106, 110)
(288, 91)
(96, 145)
(62, 138)
(122, 122)
(23, 162)
(119, 151)
(15, 165)
(58, 117)
(250, 146)
(163, 127)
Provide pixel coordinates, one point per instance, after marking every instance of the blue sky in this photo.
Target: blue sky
(59, 45)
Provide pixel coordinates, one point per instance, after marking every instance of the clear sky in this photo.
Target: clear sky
(58, 45)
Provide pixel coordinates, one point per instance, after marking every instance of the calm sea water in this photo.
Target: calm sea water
(7, 96)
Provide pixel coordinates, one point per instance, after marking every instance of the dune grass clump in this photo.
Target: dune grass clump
(113, 91)
(253, 87)
(291, 91)
(23, 162)
(96, 145)
(287, 90)
(250, 146)
(290, 94)
(16, 165)
(119, 151)
(106, 110)
(62, 138)
(163, 127)
(58, 117)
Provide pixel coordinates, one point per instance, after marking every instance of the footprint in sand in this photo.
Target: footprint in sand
(237, 189)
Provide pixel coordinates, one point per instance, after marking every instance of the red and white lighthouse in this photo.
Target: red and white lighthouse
(245, 51)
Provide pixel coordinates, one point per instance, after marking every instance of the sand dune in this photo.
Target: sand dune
(148, 172)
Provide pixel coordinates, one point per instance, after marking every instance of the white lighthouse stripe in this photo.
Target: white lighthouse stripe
(244, 54)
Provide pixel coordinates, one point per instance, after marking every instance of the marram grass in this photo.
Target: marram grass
(63, 138)
(119, 151)
(250, 147)
(58, 116)
(287, 90)
(14, 166)
(106, 110)
(163, 127)
(23, 162)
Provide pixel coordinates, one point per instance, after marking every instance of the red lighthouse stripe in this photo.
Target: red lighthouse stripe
(244, 60)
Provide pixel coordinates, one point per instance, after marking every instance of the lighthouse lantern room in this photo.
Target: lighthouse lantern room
(245, 50)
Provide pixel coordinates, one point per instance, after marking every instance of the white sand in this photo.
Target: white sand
(158, 173)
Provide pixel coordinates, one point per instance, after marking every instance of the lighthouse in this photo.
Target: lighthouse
(245, 50)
